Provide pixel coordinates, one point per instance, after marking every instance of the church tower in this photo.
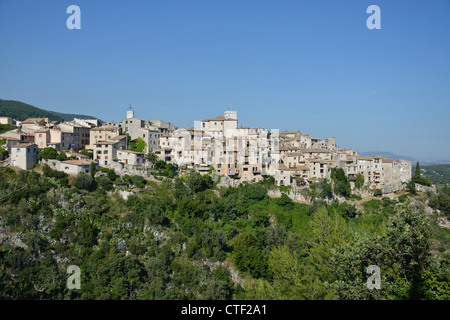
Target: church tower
(130, 113)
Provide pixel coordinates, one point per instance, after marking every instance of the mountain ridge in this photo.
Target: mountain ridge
(386, 154)
(20, 111)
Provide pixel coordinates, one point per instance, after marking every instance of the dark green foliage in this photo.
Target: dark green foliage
(50, 173)
(253, 191)
(110, 173)
(138, 181)
(437, 174)
(403, 198)
(249, 257)
(6, 127)
(169, 242)
(196, 182)
(87, 152)
(48, 153)
(411, 186)
(417, 178)
(285, 201)
(165, 169)
(441, 200)
(84, 181)
(341, 183)
(104, 182)
(21, 111)
(359, 181)
(138, 146)
(325, 190)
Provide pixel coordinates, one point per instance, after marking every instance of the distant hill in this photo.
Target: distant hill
(386, 154)
(21, 111)
(438, 174)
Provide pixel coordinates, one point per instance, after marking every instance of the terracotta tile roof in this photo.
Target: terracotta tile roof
(219, 118)
(23, 145)
(32, 120)
(105, 128)
(77, 162)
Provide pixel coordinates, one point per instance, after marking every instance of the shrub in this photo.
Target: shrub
(403, 197)
(84, 181)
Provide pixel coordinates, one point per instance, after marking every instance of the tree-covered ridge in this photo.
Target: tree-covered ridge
(21, 111)
(186, 239)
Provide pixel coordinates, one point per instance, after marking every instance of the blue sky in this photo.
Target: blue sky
(307, 65)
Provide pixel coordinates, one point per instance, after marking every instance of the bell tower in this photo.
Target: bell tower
(130, 113)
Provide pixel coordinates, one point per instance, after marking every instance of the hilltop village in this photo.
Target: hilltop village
(218, 144)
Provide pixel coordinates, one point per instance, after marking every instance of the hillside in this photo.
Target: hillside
(438, 174)
(21, 111)
(184, 239)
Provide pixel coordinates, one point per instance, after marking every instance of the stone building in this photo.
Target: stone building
(24, 155)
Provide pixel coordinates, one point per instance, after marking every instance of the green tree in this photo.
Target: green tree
(417, 171)
(48, 153)
(292, 279)
(93, 169)
(151, 157)
(196, 182)
(84, 181)
(359, 181)
(328, 231)
(402, 253)
(87, 152)
(285, 201)
(326, 190)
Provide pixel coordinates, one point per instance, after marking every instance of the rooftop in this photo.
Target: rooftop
(23, 145)
(77, 162)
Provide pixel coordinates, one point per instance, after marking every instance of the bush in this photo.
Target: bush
(104, 182)
(50, 173)
(84, 181)
(285, 201)
(197, 182)
(48, 153)
(138, 181)
(403, 197)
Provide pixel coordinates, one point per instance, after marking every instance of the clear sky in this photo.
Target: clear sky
(282, 64)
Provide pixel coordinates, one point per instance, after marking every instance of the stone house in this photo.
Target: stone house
(24, 155)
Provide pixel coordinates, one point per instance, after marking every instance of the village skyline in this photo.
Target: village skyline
(299, 65)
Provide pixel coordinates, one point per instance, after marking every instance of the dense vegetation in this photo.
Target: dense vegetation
(437, 174)
(21, 111)
(184, 239)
